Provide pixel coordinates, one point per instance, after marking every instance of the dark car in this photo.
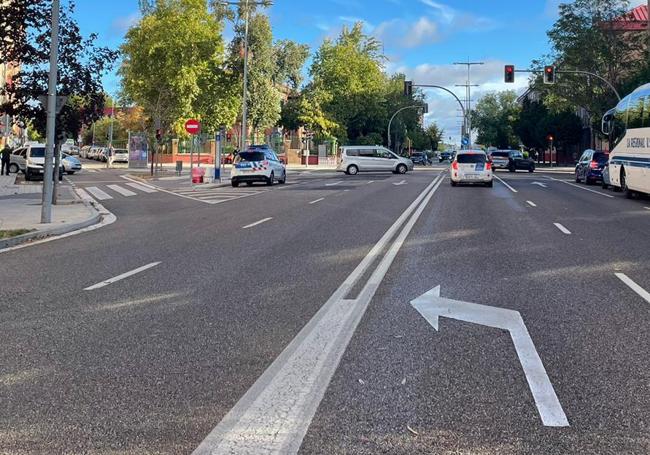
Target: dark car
(420, 158)
(517, 162)
(590, 166)
(446, 156)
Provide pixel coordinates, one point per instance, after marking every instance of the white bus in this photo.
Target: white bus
(628, 127)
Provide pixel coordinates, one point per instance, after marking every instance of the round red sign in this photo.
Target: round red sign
(192, 126)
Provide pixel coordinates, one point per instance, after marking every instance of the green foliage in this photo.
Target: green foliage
(289, 59)
(173, 60)
(536, 122)
(494, 118)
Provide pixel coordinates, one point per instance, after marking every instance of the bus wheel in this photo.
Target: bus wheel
(628, 193)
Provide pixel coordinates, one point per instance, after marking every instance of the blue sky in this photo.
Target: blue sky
(421, 37)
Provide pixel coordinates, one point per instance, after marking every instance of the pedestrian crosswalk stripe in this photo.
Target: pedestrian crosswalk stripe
(98, 194)
(122, 191)
(144, 188)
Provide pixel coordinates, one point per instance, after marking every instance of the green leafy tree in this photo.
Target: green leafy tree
(536, 122)
(494, 119)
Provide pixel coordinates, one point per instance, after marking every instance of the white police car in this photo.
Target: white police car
(257, 164)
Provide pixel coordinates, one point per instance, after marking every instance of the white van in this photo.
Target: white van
(371, 158)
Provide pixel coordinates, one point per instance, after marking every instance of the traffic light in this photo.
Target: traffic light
(510, 74)
(549, 74)
(408, 88)
(159, 134)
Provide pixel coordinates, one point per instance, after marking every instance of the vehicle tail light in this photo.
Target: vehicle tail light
(593, 165)
(454, 165)
(488, 166)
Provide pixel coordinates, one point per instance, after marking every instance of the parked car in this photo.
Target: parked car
(517, 161)
(102, 154)
(30, 159)
(590, 166)
(500, 159)
(420, 158)
(471, 166)
(364, 158)
(83, 152)
(70, 149)
(257, 165)
(70, 163)
(120, 156)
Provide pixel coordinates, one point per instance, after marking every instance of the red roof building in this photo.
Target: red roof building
(634, 21)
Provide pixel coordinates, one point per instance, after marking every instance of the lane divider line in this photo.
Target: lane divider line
(582, 188)
(531, 203)
(645, 295)
(274, 415)
(121, 277)
(257, 223)
(507, 186)
(334, 184)
(317, 201)
(562, 229)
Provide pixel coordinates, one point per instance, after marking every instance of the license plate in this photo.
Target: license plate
(243, 166)
(471, 176)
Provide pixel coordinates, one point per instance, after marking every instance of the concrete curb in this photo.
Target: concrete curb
(37, 235)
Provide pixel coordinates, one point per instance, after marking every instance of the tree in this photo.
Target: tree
(289, 59)
(173, 67)
(494, 118)
(536, 122)
(25, 38)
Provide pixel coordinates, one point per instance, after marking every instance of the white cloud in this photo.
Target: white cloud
(124, 23)
(399, 33)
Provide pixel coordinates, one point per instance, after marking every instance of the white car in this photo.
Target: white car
(120, 156)
(70, 163)
(471, 166)
(30, 159)
(369, 158)
(257, 165)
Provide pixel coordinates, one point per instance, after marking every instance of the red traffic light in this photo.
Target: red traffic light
(549, 74)
(509, 74)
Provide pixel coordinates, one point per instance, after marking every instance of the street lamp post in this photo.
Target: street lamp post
(48, 177)
(390, 122)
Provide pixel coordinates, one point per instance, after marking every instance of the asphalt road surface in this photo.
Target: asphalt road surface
(283, 322)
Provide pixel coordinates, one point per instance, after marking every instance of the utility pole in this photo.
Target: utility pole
(468, 103)
(110, 135)
(48, 175)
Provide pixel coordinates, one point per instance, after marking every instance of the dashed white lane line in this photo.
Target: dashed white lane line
(257, 223)
(647, 208)
(507, 186)
(317, 201)
(562, 229)
(121, 277)
(334, 184)
(98, 194)
(583, 188)
(645, 295)
(531, 203)
(370, 182)
(142, 187)
(122, 191)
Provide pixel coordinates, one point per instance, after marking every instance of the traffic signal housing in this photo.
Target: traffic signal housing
(509, 74)
(549, 74)
(408, 88)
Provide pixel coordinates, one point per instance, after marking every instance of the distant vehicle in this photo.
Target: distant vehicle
(590, 166)
(70, 163)
(420, 158)
(371, 158)
(120, 156)
(83, 152)
(31, 161)
(471, 166)
(517, 162)
(446, 156)
(606, 183)
(257, 165)
(500, 159)
(102, 154)
(628, 128)
(70, 149)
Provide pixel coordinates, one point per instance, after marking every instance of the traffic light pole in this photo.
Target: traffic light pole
(390, 122)
(584, 73)
(460, 103)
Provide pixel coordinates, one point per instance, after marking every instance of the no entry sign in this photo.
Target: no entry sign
(193, 126)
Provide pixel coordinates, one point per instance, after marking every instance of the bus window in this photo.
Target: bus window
(645, 123)
(619, 126)
(635, 114)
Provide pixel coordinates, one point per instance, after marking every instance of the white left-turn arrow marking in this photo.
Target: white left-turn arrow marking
(431, 306)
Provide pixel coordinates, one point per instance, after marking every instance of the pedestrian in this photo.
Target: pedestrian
(5, 158)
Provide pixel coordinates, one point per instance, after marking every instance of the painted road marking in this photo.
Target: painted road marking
(645, 295)
(121, 277)
(333, 184)
(98, 194)
(370, 182)
(403, 182)
(647, 208)
(508, 186)
(143, 188)
(562, 228)
(583, 188)
(122, 191)
(274, 415)
(431, 306)
(317, 201)
(531, 203)
(257, 223)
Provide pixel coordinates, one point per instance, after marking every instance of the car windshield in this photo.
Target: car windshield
(601, 157)
(37, 152)
(500, 154)
(250, 156)
(469, 158)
